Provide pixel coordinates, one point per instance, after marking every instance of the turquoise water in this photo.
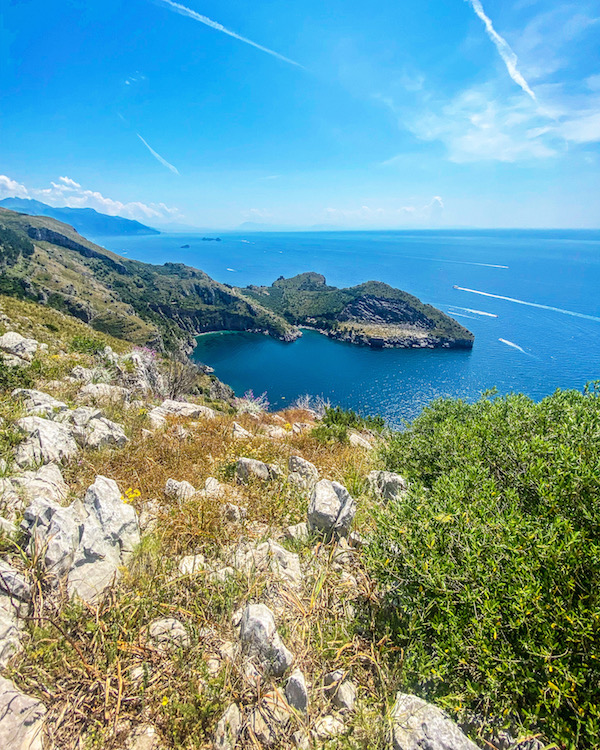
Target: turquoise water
(540, 330)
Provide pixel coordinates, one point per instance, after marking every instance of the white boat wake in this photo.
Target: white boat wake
(477, 312)
(514, 346)
(531, 304)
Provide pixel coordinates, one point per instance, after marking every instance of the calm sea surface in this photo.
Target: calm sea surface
(532, 299)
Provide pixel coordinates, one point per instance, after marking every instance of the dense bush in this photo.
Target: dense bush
(336, 422)
(86, 344)
(13, 245)
(14, 377)
(490, 568)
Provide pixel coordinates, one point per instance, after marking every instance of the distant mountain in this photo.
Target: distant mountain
(86, 221)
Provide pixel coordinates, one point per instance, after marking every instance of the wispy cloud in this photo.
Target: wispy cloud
(157, 156)
(504, 50)
(184, 11)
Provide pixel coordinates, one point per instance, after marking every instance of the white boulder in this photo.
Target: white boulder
(46, 442)
(18, 346)
(331, 509)
(21, 718)
(37, 403)
(387, 485)
(417, 724)
(260, 639)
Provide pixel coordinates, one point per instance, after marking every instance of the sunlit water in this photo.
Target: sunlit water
(532, 299)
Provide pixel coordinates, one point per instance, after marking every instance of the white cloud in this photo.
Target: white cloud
(257, 213)
(67, 192)
(504, 50)
(183, 11)
(12, 189)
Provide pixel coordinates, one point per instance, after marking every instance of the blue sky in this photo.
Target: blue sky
(393, 114)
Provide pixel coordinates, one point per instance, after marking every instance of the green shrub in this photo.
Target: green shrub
(348, 418)
(87, 344)
(14, 377)
(490, 568)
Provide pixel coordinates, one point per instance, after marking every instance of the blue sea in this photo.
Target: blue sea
(532, 299)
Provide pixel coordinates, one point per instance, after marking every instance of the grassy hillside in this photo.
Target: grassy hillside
(160, 306)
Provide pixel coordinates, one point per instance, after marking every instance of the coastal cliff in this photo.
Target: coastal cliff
(166, 306)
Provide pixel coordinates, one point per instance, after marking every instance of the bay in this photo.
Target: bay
(532, 299)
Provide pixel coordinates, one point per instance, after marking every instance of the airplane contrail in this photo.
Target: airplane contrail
(184, 11)
(157, 156)
(504, 49)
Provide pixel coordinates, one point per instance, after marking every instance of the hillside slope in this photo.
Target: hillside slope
(159, 306)
(85, 220)
(373, 313)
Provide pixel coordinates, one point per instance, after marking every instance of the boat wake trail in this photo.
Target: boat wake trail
(531, 304)
(477, 312)
(514, 346)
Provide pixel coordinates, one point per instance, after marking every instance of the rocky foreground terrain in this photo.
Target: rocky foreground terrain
(185, 571)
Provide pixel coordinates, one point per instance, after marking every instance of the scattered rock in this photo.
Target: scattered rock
(46, 483)
(18, 346)
(269, 719)
(233, 513)
(185, 409)
(168, 633)
(144, 737)
(8, 529)
(228, 729)
(180, 491)
(21, 719)
(53, 534)
(343, 695)
(297, 533)
(417, 724)
(38, 404)
(296, 691)
(268, 557)
(10, 642)
(358, 441)
(331, 509)
(260, 638)
(303, 474)
(250, 468)
(13, 583)
(46, 442)
(387, 485)
(275, 432)
(328, 727)
(102, 393)
(102, 432)
(191, 564)
(239, 433)
(301, 740)
(299, 427)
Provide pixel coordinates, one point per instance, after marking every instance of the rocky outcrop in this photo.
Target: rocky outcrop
(15, 345)
(331, 509)
(46, 442)
(260, 639)
(85, 544)
(21, 719)
(417, 724)
(250, 468)
(387, 485)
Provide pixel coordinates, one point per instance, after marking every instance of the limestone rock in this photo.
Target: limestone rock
(168, 633)
(144, 737)
(331, 509)
(53, 533)
(275, 432)
(301, 740)
(13, 583)
(259, 637)
(37, 403)
(344, 696)
(239, 433)
(10, 642)
(358, 441)
(250, 468)
(8, 529)
(101, 432)
(269, 719)
(328, 727)
(178, 409)
(118, 519)
(21, 718)
(102, 393)
(46, 442)
(296, 691)
(228, 729)
(47, 483)
(191, 564)
(233, 513)
(268, 557)
(417, 724)
(180, 491)
(17, 345)
(387, 485)
(302, 473)
(297, 533)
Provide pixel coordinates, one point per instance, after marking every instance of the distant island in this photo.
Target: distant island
(167, 306)
(84, 220)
